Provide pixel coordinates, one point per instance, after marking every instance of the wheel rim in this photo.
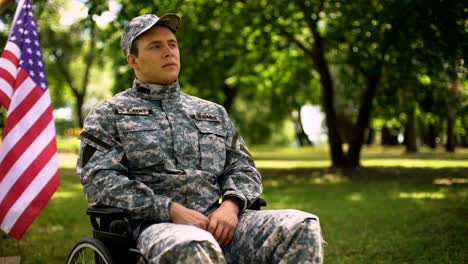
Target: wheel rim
(88, 254)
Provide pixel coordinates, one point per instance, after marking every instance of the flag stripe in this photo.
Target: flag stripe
(10, 55)
(5, 75)
(14, 49)
(28, 138)
(4, 98)
(25, 179)
(9, 66)
(23, 88)
(35, 207)
(33, 191)
(17, 113)
(6, 88)
(22, 125)
(25, 160)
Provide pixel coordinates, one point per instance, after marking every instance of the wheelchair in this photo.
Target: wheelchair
(114, 238)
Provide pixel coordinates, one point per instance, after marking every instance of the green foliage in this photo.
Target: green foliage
(254, 57)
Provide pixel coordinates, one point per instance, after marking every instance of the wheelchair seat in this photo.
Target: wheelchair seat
(115, 236)
(114, 239)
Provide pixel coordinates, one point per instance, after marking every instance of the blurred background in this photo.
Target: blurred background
(363, 100)
(288, 72)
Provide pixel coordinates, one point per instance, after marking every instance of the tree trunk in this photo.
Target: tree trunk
(301, 136)
(363, 119)
(345, 126)
(230, 94)
(334, 140)
(370, 136)
(451, 114)
(450, 144)
(388, 138)
(79, 108)
(410, 132)
(432, 136)
(464, 140)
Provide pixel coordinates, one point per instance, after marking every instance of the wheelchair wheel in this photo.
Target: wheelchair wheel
(90, 250)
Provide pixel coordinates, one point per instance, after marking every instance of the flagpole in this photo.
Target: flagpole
(18, 9)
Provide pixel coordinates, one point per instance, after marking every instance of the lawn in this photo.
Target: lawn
(399, 208)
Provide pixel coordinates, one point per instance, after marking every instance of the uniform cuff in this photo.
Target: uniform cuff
(240, 196)
(162, 211)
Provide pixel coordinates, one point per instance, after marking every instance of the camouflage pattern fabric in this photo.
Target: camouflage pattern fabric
(276, 236)
(269, 236)
(153, 144)
(173, 243)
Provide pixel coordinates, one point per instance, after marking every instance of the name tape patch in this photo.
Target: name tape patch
(205, 117)
(134, 111)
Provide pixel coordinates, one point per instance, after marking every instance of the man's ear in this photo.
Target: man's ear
(131, 59)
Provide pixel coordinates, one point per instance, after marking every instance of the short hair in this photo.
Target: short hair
(134, 48)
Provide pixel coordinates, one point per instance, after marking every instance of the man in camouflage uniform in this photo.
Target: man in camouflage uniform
(168, 157)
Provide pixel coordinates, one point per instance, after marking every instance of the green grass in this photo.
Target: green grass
(400, 208)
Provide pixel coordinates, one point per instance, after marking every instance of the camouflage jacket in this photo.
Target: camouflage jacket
(152, 144)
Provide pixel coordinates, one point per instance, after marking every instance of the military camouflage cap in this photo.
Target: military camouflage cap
(141, 24)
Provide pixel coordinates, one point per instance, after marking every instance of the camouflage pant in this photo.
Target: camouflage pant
(268, 236)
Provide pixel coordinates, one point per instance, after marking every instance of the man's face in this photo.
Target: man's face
(158, 59)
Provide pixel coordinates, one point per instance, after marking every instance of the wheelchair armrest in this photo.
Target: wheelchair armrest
(105, 215)
(258, 204)
(106, 212)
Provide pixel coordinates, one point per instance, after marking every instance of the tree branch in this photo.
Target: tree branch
(62, 67)
(90, 57)
(312, 23)
(291, 37)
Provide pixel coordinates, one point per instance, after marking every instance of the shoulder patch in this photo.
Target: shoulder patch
(134, 111)
(95, 140)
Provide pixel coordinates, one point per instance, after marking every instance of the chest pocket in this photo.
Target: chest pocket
(141, 140)
(212, 145)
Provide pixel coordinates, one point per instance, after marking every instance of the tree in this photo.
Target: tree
(73, 53)
(323, 28)
(342, 36)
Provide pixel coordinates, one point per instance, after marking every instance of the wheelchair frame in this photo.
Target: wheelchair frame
(114, 244)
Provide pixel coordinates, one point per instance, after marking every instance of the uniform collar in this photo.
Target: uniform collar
(154, 91)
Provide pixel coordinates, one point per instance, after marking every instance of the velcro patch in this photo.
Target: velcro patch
(206, 117)
(134, 111)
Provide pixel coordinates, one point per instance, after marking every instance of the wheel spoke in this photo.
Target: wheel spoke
(89, 250)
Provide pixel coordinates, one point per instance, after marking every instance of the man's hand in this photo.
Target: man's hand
(182, 215)
(223, 221)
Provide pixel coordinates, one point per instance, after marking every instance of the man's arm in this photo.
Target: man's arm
(240, 179)
(241, 185)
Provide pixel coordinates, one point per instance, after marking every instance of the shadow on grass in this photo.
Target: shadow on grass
(380, 214)
(368, 215)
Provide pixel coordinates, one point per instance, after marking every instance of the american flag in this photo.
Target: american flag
(28, 154)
